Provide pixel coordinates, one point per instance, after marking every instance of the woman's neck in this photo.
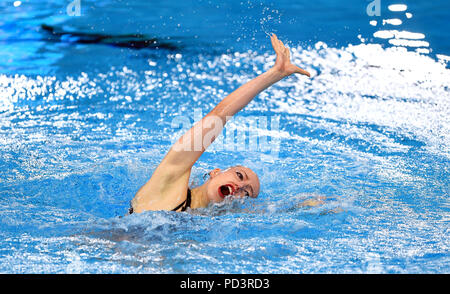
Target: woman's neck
(199, 197)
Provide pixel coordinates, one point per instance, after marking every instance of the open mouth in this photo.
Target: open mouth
(226, 190)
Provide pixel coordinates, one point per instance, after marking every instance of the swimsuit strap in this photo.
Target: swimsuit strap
(186, 203)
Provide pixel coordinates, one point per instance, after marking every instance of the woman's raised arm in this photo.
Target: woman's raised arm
(175, 167)
(187, 150)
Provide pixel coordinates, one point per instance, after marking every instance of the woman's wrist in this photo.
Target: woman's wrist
(277, 73)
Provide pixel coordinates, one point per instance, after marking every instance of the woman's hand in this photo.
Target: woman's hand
(283, 62)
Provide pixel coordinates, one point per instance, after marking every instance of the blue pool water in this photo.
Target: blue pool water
(82, 127)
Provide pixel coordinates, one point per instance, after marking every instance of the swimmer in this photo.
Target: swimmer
(168, 188)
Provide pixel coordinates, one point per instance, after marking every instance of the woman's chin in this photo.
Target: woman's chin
(216, 198)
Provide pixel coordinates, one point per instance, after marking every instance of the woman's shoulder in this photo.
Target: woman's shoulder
(163, 191)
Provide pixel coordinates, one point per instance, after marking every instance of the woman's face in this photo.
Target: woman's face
(238, 181)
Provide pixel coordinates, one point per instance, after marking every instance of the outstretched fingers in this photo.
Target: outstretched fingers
(287, 52)
(284, 57)
(275, 43)
(302, 71)
(281, 44)
(278, 46)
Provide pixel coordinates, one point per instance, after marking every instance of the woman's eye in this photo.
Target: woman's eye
(240, 176)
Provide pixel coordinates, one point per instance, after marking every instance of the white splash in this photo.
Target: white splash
(393, 21)
(397, 7)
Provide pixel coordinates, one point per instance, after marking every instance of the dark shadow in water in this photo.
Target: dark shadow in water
(132, 41)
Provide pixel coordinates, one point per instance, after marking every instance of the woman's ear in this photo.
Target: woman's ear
(214, 172)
